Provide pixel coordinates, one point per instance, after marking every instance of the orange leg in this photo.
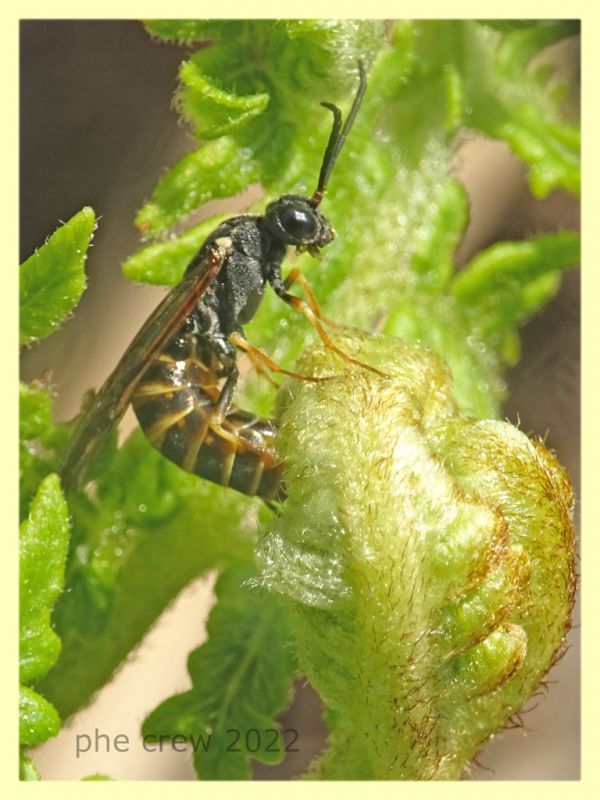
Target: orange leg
(216, 426)
(298, 304)
(254, 353)
(220, 411)
(296, 275)
(259, 367)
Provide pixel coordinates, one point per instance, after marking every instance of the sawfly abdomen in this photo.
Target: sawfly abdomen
(176, 404)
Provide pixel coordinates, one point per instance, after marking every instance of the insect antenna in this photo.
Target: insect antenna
(338, 136)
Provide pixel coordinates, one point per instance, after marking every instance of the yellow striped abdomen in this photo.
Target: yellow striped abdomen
(175, 405)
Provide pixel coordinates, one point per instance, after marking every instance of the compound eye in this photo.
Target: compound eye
(298, 223)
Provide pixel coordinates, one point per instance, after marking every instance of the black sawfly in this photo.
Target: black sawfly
(180, 371)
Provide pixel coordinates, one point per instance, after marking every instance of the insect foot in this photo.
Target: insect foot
(428, 559)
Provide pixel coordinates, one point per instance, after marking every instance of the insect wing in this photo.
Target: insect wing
(111, 401)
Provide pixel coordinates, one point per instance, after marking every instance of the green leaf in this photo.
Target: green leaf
(433, 258)
(505, 284)
(522, 43)
(186, 30)
(43, 550)
(40, 441)
(551, 148)
(218, 169)
(53, 279)
(256, 84)
(504, 25)
(242, 679)
(27, 769)
(35, 411)
(38, 719)
(213, 110)
(148, 530)
(518, 106)
(164, 263)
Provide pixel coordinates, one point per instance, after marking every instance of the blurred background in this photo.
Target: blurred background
(97, 128)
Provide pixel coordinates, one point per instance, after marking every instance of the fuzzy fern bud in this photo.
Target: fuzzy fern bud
(427, 557)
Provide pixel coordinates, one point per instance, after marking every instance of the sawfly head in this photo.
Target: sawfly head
(296, 220)
(293, 220)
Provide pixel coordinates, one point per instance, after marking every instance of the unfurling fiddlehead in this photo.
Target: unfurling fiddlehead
(433, 583)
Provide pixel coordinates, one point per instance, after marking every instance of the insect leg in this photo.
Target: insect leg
(260, 369)
(245, 454)
(296, 275)
(298, 304)
(253, 352)
(222, 406)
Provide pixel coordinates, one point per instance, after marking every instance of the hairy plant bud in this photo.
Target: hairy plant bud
(428, 559)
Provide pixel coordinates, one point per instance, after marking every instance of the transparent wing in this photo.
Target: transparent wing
(111, 401)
